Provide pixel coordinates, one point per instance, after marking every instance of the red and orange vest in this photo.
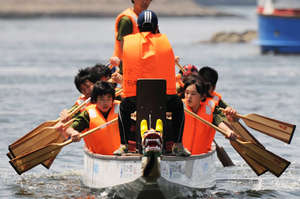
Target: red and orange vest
(104, 141)
(197, 136)
(133, 17)
(147, 55)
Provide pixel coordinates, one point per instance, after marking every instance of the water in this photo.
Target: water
(39, 58)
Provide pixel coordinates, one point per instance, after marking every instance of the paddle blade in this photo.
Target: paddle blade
(280, 130)
(274, 163)
(10, 156)
(26, 162)
(33, 132)
(239, 129)
(42, 138)
(256, 167)
(47, 164)
(224, 157)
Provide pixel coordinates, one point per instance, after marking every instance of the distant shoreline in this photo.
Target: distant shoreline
(100, 8)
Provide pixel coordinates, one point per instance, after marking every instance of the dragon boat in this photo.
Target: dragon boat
(150, 165)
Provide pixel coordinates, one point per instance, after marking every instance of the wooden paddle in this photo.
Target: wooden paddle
(280, 130)
(17, 147)
(46, 136)
(29, 160)
(274, 163)
(43, 125)
(245, 135)
(223, 156)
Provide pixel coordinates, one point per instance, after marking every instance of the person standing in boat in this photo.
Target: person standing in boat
(153, 59)
(211, 76)
(197, 136)
(104, 108)
(125, 24)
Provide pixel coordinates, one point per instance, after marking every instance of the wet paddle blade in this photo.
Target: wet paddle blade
(10, 156)
(256, 167)
(14, 147)
(26, 162)
(280, 130)
(45, 136)
(31, 159)
(274, 163)
(224, 157)
(47, 164)
(239, 129)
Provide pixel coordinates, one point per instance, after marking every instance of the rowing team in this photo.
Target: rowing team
(147, 54)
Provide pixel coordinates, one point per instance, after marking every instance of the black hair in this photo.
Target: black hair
(102, 88)
(99, 71)
(82, 76)
(202, 87)
(209, 74)
(132, 1)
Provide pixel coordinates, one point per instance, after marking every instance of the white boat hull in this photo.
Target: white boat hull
(102, 171)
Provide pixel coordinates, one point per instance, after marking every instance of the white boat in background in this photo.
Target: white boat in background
(101, 171)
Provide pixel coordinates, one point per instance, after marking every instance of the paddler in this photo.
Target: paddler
(211, 75)
(197, 136)
(103, 109)
(125, 24)
(154, 59)
(84, 82)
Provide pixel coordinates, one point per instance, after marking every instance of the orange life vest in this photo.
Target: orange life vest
(197, 135)
(133, 17)
(80, 100)
(104, 141)
(147, 55)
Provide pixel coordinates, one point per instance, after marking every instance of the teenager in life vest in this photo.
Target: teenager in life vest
(210, 75)
(149, 54)
(197, 136)
(125, 24)
(104, 108)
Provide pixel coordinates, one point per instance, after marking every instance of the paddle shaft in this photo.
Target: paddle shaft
(206, 122)
(180, 67)
(90, 131)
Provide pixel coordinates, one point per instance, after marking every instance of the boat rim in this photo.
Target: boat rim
(134, 157)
